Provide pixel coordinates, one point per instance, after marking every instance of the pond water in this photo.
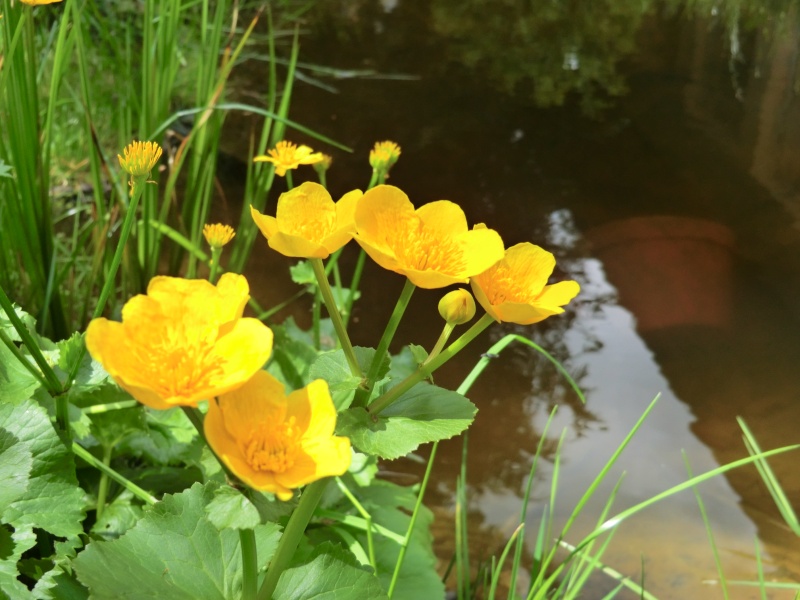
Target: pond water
(675, 206)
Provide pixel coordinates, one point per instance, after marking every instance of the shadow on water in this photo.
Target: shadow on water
(676, 206)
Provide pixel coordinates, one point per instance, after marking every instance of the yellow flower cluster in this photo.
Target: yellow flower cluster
(383, 156)
(432, 246)
(139, 158)
(187, 341)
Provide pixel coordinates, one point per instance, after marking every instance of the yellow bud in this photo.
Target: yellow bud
(384, 155)
(457, 307)
(217, 235)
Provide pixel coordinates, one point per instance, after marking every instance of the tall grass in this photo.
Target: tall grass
(557, 567)
(159, 73)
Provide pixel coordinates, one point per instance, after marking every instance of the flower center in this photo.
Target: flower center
(421, 250)
(181, 364)
(314, 226)
(501, 285)
(272, 447)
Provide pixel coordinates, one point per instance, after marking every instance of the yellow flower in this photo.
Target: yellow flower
(287, 155)
(384, 155)
(217, 235)
(183, 342)
(514, 290)
(37, 2)
(140, 158)
(432, 245)
(457, 307)
(274, 442)
(307, 223)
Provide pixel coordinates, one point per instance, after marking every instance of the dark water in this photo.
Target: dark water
(675, 203)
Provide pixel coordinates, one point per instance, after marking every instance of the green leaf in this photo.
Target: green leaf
(167, 437)
(69, 351)
(418, 352)
(293, 353)
(118, 517)
(16, 461)
(302, 273)
(332, 573)
(17, 383)
(5, 170)
(390, 505)
(12, 545)
(332, 366)
(425, 413)
(52, 501)
(231, 510)
(173, 552)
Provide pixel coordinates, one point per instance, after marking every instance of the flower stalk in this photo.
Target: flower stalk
(363, 393)
(87, 456)
(336, 317)
(247, 541)
(429, 366)
(291, 536)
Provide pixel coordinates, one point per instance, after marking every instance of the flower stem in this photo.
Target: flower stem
(291, 536)
(102, 489)
(429, 366)
(111, 277)
(336, 317)
(197, 420)
(362, 394)
(247, 540)
(216, 254)
(289, 182)
(81, 452)
(354, 283)
(443, 337)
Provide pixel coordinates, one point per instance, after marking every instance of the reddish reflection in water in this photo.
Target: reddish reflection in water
(679, 149)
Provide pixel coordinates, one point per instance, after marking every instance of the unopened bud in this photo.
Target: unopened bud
(457, 307)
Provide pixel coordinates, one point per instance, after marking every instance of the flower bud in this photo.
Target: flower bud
(457, 307)
(217, 235)
(383, 156)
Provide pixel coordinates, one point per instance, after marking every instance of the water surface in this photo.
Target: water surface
(666, 184)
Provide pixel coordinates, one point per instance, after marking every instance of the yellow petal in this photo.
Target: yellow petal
(531, 264)
(443, 218)
(482, 249)
(297, 247)
(261, 399)
(227, 448)
(313, 409)
(558, 294)
(431, 280)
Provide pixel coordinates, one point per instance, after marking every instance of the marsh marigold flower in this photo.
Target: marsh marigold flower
(515, 289)
(286, 156)
(217, 235)
(183, 342)
(431, 245)
(457, 307)
(383, 156)
(307, 223)
(274, 442)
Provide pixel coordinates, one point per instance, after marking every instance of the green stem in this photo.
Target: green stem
(362, 394)
(81, 452)
(443, 337)
(316, 310)
(404, 546)
(247, 540)
(102, 408)
(53, 385)
(291, 536)
(424, 371)
(289, 182)
(367, 519)
(102, 490)
(216, 253)
(354, 283)
(195, 417)
(336, 317)
(12, 347)
(111, 276)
